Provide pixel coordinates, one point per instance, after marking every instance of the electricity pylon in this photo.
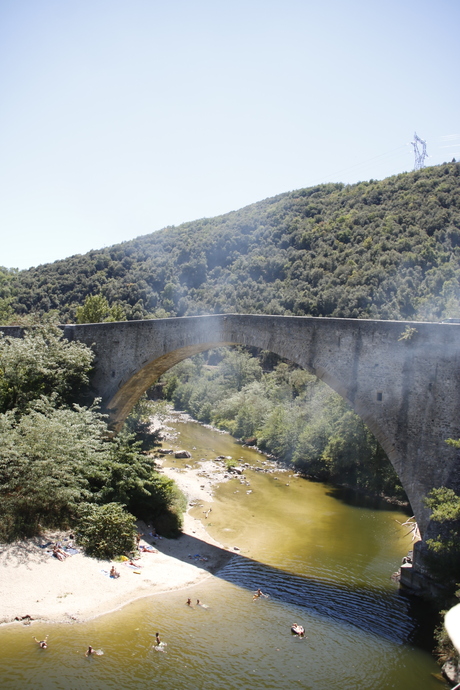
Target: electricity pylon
(420, 155)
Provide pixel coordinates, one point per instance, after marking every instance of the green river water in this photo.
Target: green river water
(325, 563)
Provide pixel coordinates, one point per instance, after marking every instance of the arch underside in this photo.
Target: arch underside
(129, 393)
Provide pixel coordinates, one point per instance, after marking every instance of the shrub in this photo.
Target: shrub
(106, 531)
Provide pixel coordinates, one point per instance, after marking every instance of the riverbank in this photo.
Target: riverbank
(36, 586)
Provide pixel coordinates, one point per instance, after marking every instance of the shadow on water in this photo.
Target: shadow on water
(390, 614)
(357, 499)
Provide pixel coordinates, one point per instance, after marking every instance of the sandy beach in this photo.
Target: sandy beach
(34, 585)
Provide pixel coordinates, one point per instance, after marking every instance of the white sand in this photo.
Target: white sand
(34, 583)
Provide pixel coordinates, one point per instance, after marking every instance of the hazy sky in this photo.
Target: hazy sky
(120, 117)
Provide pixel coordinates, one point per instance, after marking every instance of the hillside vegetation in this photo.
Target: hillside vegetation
(59, 466)
(285, 411)
(385, 249)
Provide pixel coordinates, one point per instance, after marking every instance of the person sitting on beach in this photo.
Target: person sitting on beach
(113, 572)
(147, 548)
(41, 643)
(59, 553)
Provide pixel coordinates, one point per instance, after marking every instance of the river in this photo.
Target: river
(325, 563)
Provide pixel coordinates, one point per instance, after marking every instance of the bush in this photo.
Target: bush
(106, 531)
(444, 548)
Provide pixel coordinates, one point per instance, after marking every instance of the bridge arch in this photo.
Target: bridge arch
(404, 384)
(126, 397)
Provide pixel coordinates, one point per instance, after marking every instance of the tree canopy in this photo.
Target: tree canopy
(58, 464)
(380, 249)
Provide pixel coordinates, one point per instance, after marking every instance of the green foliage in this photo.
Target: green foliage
(54, 457)
(444, 504)
(106, 531)
(445, 649)
(408, 333)
(6, 310)
(45, 459)
(42, 362)
(445, 547)
(96, 309)
(385, 249)
(288, 411)
(130, 477)
(6, 298)
(139, 421)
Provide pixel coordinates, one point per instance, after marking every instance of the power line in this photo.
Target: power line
(364, 162)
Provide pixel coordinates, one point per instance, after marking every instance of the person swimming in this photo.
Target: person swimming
(258, 593)
(298, 630)
(93, 652)
(41, 643)
(159, 646)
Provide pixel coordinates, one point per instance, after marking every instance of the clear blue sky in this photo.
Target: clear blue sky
(118, 118)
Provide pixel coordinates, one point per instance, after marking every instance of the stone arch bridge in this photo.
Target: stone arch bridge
(401, 378)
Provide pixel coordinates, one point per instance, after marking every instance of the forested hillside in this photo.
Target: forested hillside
(387, 249)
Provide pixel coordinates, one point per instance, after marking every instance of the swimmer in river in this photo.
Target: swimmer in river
(159, 646)
(298, 630)
(189, 602)
(258, 593)
(93, 652)
(41, 643)
(200, 603)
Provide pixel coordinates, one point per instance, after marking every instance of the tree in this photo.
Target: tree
(239, 368)
(106, 531)
(444, 504)
(56, 455)
(96, 309)
(47, 457)
(42, 362)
